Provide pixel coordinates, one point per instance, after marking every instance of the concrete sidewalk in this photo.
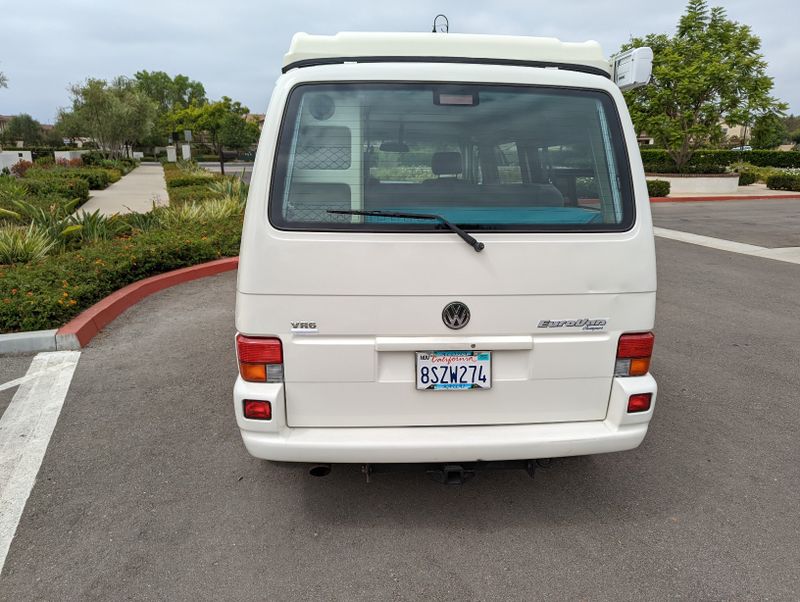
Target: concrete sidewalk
(134, 193)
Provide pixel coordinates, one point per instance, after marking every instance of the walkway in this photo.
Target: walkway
(134, 193)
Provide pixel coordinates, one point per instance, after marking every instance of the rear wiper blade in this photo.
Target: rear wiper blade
(478, 246)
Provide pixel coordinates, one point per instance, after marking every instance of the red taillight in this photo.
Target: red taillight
(260, 359)
(633, 354)
(640, 402)
(635, 345)
(252, 350)
(257, 410)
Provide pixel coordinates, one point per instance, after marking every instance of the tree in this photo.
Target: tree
(792, 122)
(237, 133)
(710, 72)
(769, 131)
(23, 127)
(222, 121)
(169, 94)
(115, 115)
(795, 136)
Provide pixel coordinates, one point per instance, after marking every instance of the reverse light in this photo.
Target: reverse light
(640, 402)
(260, 359)
(257, 410)
(633, 354)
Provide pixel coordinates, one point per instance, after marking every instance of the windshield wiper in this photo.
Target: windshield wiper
(478, 246)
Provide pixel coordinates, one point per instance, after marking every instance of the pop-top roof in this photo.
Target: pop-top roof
(307, 49)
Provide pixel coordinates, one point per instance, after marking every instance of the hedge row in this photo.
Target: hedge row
(715, 161)
(188, 194)
(97, 178)
(657, 188)
(784, 182)
(189, 180)
(66, 188)
(49, 293)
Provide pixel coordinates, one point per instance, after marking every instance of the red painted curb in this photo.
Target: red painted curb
(693, 199)
(91, 321)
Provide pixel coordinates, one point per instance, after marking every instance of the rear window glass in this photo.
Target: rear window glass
(521, 158)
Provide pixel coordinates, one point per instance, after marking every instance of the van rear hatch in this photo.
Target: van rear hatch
(363, 302)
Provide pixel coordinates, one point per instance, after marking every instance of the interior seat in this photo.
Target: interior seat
(446, 166)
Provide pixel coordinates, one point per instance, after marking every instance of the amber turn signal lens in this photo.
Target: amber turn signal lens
(254, 373)
(639, 366)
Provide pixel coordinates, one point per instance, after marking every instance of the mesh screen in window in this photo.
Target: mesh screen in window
(323, 147)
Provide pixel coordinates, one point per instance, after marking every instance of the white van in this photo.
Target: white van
(447, 254)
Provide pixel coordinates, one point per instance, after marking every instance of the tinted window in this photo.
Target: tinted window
(486, 157)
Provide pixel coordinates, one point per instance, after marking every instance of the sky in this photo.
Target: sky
(235, 47)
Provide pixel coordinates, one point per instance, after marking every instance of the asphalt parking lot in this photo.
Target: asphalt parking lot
(146, 492)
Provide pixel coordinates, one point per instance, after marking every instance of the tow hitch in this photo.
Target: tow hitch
(455, 474)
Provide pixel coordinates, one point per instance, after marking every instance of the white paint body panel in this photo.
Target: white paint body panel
(349, 393)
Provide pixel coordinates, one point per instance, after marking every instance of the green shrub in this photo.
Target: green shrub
(215, 209)
(45, 161)
(97, 178)
(21, 245)
(189, 194)
(94, 226)
(657, 188)
(747, 177)
(784, 182)
(53, 219)
(231, 186)
(715, 161)
(50, 292)
(93, 158)
(141, 222)
(114, 175)
(11, 189)
(178, 180)
(67, 188)
(10, 209)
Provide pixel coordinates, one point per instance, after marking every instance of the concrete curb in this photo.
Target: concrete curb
(723, 197)
(80, 330)
(28, 342)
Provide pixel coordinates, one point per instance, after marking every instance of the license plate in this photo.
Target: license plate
(441, 370)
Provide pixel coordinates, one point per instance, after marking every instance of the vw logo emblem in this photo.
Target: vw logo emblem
(455, 315)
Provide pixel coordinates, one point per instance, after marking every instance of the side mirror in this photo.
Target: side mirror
(632, 68)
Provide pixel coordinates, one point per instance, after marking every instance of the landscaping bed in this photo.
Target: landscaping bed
(55, 263)
(777, 169)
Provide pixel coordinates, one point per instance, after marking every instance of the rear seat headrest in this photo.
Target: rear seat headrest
(446, 163)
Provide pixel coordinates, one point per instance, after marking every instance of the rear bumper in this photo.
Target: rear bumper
(442, 444)
(273, 440)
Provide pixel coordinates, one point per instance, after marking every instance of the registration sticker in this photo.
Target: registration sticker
(440, 370)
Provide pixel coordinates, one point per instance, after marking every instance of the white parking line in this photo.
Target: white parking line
(25, 430)
(787, 254)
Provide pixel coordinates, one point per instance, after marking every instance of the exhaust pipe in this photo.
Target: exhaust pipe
(320, 470)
